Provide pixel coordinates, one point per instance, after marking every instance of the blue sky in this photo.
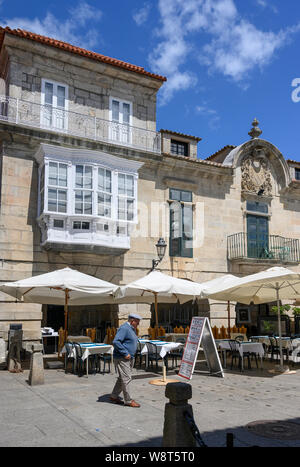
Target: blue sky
(227, 61)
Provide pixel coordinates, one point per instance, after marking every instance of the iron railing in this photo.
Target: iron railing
(269, 247)
(46, 117)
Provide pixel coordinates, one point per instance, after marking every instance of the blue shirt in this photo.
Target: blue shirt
(125, 341)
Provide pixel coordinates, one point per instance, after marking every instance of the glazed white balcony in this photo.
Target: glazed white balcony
(33, 115)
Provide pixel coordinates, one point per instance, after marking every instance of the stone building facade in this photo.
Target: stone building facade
(88, 182)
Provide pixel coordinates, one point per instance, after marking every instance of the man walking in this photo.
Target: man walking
(125, 345)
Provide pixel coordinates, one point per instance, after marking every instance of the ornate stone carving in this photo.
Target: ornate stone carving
(256, 174)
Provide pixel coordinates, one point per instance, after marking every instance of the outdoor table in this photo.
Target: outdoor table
(164, 347)
(92, 349)
(295, 343)
(286, 342)
(223, 348)
(253, 347)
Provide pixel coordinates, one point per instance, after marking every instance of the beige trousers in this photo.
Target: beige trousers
(124, 370)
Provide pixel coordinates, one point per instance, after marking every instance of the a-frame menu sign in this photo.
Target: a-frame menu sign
(200, 334)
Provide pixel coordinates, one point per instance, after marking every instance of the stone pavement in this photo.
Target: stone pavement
(72, 411)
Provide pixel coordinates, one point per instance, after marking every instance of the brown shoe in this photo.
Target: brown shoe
(116, 400)
(133, 404)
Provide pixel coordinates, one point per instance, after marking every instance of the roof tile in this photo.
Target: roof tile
(77, 50)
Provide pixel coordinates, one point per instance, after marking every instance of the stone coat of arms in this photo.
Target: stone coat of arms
(256, 174)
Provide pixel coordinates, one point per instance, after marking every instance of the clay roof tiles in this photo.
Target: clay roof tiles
(181, 134)
(77, 50)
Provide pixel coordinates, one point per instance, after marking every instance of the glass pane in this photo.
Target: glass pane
(79, 176)
(87, 203)
(62, 201)
(121, 209)
(257, 206)
(115, 111)
(121, 184)
(187, 240)
(62, 175)
(58, 223)
(126, 113)
(52, 200)
(49, 93)
(175, 220)
(129, 185)
(78, 202)
(108, 181)
(53, 178)
(175, 194)
(130, 209)
(104, 205)
(88, 177)
(104, 180)
(186, 196)
(101, 207)
(61, 96)
(101, 179)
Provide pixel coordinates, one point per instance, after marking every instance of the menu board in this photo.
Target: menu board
(200, 334)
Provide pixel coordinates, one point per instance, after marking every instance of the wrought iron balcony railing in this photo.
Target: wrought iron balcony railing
(46, 117)
(269, 247)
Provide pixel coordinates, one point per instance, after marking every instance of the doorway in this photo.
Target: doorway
(55, 317)
(257, 236)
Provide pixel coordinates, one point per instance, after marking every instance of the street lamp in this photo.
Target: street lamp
(161, 249)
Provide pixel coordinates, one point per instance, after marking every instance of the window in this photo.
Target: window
(54, 105)
(58, 223)
(297, 174)
(120, 116)
(256, 206)
(57, 179)
(257, 229)
(79, 225)
(181, 223)
(125, 197)
(179, 148)
(84, 187)
(104, 192)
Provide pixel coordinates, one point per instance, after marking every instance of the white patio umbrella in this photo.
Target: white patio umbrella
(61, 287)
(158, 287)
(224, 281)
(273, 284)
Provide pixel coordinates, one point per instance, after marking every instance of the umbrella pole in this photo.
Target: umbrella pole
(156, 314)
(66, 312)
(228, 315)
(279, 325)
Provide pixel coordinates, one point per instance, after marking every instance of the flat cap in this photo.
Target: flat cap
(134, 316)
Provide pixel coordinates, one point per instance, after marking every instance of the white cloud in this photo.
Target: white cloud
(265, 4)
(215, 33)
(211, 115)
(80, 16)
(141, 16)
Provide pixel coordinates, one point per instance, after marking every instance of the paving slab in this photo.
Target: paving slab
(69, 411)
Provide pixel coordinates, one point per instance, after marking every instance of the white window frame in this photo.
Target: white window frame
(54, 106)
(83, 189)
(58, 187)
(105, 193)
(120, 131)
(100, 227)
(125, 197)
